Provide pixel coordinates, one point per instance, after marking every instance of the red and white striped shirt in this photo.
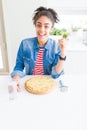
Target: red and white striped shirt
(38, 70)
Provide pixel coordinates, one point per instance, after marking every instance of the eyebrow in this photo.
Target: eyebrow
(41, 23)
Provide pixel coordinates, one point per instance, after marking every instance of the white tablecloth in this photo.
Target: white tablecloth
(54, 111)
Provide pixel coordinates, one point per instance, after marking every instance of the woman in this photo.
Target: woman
(41, 55)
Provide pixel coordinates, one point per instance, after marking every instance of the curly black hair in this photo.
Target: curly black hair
(43, 11)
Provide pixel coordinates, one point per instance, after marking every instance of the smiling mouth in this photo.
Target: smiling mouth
(41, 35)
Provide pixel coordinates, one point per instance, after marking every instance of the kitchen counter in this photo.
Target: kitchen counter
(54, 111)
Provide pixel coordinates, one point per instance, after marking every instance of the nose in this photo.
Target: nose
(42, 29)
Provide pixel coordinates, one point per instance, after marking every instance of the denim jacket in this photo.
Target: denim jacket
(27, 54)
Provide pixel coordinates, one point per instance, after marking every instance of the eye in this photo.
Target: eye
(38, 25)
(46, 27)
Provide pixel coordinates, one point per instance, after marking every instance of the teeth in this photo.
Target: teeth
(41, 34)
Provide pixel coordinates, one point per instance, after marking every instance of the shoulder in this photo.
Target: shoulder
(29, 40)
(53, 45)
(28, 43)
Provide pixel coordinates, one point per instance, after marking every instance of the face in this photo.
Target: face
(43, 29)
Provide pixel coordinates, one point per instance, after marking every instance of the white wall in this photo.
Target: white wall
(76, 63)
(68, 3)
(18, 23)
(68, 6)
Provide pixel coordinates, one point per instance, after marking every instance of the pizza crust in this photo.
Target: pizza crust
(40, 84)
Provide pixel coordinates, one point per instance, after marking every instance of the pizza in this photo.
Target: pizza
(40, 84)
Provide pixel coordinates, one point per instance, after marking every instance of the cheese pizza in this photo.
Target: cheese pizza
(40, 84)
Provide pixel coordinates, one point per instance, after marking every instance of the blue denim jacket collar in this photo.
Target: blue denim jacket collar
(37, 45)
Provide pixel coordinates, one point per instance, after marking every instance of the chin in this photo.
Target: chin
(42, 39)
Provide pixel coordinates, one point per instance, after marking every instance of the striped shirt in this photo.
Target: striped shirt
(38, 70)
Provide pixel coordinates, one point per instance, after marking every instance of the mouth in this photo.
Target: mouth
(41, 34)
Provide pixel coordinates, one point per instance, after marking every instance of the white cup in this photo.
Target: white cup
(12, 90)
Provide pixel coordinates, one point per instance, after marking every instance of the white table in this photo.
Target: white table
(54, 111)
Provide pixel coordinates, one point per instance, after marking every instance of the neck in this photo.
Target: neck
(41, 43)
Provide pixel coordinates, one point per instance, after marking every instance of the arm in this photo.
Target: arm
(58, 66)
(18, 69)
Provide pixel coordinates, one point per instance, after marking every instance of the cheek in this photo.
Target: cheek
(36, 31)
(49, 31)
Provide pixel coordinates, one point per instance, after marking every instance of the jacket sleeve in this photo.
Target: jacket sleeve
(54, 73)
(19, 67)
